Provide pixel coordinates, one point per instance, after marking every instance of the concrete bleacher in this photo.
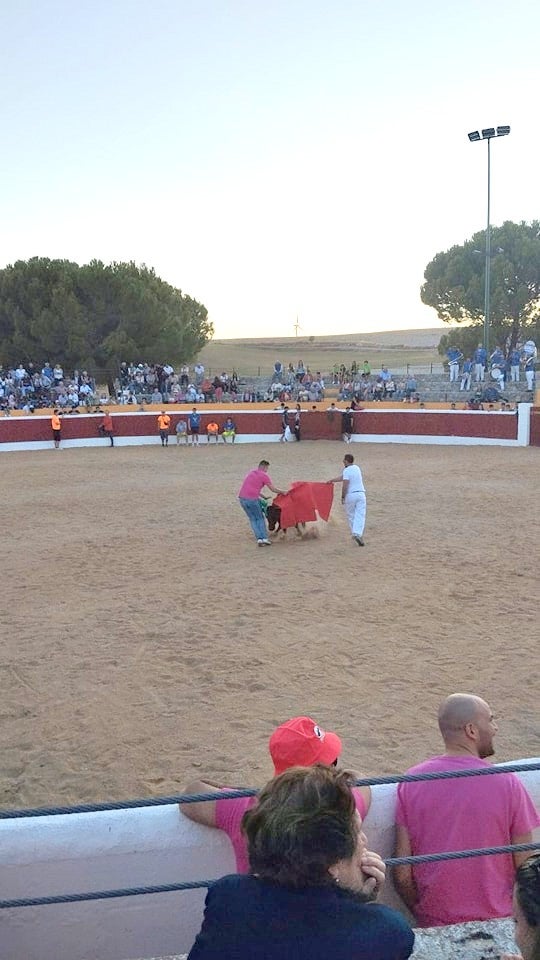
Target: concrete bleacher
(437, 387)
(432, 387)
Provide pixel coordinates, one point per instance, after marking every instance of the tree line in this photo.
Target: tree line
(455, 283)
(96, 315)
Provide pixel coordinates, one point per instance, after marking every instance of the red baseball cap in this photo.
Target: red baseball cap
(301, 742)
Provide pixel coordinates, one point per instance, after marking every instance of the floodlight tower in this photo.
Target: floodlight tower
(488, 134)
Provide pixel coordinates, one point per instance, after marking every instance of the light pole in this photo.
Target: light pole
(488, 135)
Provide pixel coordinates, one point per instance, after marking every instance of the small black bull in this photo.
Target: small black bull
(273, 516)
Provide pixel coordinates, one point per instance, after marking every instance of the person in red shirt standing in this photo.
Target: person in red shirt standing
(56, 428)
(164, 423)
(106, 427)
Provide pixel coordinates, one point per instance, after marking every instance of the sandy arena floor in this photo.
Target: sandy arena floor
(146, 639)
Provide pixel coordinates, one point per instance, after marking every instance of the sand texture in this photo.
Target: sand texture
(146, 640)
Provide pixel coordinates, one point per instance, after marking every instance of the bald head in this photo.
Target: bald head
(466, 721)
(457, 710)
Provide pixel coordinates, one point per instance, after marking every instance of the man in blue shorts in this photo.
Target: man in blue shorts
(194, 421)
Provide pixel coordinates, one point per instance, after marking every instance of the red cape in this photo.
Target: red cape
(304, 501)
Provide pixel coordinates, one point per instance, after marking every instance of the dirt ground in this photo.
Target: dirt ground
(147, 640)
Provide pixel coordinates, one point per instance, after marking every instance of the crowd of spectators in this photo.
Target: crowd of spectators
(157, 383)
(295, 383)
(362, 383)
(28, 387)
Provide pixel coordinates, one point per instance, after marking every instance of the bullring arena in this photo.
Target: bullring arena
(148, 642)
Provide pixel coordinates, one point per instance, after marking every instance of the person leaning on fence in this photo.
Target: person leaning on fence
(526, 900)
(298, 742)
(106, 428)
(312, 882)
(461, 814)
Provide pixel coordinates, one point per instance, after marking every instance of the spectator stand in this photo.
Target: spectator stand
(29, 387)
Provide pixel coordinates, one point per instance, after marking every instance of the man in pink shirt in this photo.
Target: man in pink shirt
(440, 816)
(248, 496)
(299, 742)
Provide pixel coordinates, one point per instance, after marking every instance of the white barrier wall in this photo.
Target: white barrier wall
(78, 853)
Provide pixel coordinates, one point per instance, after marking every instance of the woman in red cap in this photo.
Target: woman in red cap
(299, 742)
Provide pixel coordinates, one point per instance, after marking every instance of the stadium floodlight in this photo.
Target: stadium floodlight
(488, 134)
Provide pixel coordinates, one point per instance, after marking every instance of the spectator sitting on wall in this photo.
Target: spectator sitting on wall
(212, 431)
(181, 432)
(229, 430)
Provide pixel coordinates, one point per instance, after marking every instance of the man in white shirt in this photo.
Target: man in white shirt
(353, 497)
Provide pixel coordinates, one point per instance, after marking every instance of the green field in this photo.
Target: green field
(395, 348)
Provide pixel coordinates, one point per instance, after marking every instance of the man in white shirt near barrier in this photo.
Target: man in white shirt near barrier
(353, 497)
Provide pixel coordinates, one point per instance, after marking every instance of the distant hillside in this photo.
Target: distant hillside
(392, 347)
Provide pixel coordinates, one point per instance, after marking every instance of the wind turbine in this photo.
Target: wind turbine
(297, 326)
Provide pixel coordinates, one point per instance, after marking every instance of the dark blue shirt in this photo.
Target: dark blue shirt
(250, 919)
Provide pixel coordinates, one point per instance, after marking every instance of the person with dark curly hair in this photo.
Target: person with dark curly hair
(527, 910)
(313, 882)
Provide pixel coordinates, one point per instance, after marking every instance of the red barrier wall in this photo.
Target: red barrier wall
(315, 424)
(535, 427)
(441, 424)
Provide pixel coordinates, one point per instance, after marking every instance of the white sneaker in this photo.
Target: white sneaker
(264, 543)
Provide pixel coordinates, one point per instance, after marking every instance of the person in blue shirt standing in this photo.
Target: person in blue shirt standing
(514, 358)
(480, 360)
(194, 421)
(454, 355)
(498, 367)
